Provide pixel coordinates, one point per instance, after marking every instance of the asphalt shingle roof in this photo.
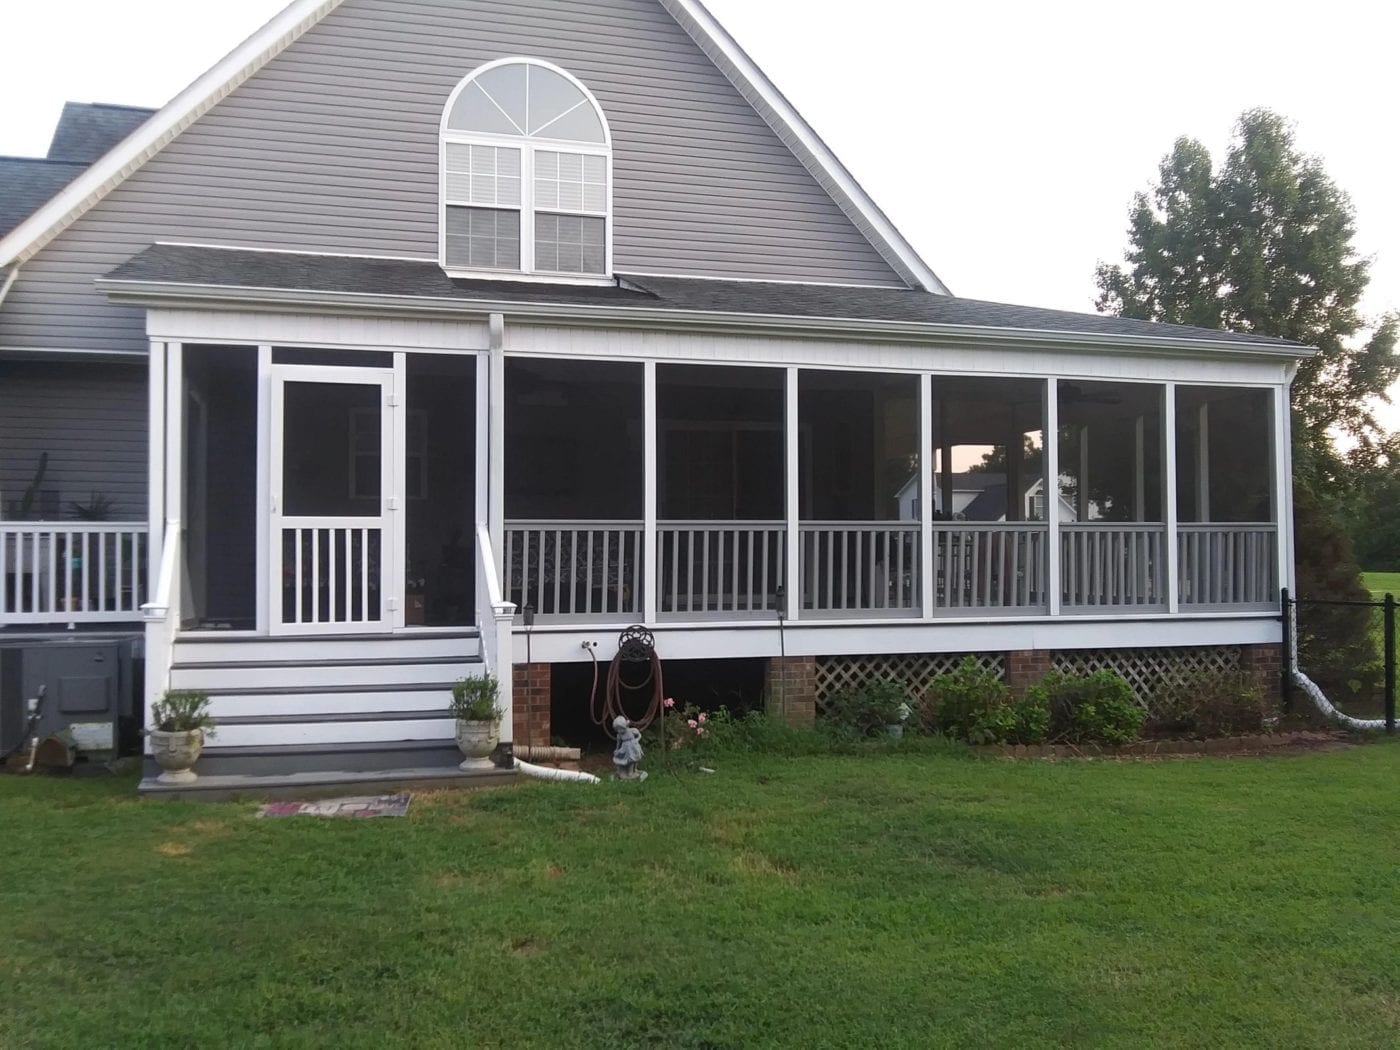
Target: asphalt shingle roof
(232, 269)
(87, 130)
(28, 183)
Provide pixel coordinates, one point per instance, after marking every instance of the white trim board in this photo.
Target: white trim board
(30, 237)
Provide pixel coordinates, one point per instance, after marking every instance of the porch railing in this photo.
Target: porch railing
(1118, 565)
(990, 565)
(1234, 564)
(710, 568)
(860, 566)
(574, 569)
(62, 572)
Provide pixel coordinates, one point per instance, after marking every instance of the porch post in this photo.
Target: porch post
(1173, 580)
(175, 468)
(1281, 498)
(650, 552)
(483, 439)
(926, 555)
(1051, 485)
(496, 481)
(1140, 469)
(263, 586)
(792, 585)
(155, 467)
(1203, 463)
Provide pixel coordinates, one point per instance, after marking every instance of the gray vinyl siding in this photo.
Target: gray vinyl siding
(333, 147)
(90, 419)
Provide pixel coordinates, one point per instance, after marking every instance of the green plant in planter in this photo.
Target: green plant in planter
(474, 699)
(182, 711)
(1093, 709)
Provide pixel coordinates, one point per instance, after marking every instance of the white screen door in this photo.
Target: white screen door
(332, 499)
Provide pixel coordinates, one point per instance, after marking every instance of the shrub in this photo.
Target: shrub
(866, 710)
(181, 711)
(1213, 703)
(1096, 709)
(971, 703)
(474, 699)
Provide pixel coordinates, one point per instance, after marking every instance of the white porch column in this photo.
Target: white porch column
(264, 498)
(1173, 571)
(1281, 497)
(155, 466)
(1051, 485)
(483, 442)
(926, 555)
(175, 469)
(792, 586)
(650, 435)
(496, 457)
(1140, 469)
(1203, 463)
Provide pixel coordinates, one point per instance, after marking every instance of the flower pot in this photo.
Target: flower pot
(176, 753)
(476, 741)
(895, 729)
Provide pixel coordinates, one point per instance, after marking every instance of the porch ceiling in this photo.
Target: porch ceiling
(166, 271)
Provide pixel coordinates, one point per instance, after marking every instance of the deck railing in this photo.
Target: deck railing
(574, 569)
(713, 568)
(1110, 564)
(1234, 564)
(990, 565)
(72, 572)
(858, 567)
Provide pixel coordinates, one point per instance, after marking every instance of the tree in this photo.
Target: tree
(1264, 245)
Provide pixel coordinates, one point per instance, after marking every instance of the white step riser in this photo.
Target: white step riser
(233, 706)
(232, 679)
(265, 650)
(303, 733)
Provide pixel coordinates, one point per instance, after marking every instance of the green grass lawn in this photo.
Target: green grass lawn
(919, 899)
(1379, 583)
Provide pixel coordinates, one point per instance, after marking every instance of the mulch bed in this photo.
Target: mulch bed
(1264, 743)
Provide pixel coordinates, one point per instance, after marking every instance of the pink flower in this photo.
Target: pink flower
(670, 702)
(692, 723)
(699, 732)
(702, 716)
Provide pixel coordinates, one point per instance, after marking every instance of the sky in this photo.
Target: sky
(1005, 139)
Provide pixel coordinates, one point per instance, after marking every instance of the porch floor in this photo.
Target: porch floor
(323, 784)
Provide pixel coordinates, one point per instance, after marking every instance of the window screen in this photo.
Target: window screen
(483, 238)
(570, 244)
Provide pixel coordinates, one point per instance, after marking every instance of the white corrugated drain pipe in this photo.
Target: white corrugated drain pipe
(1315, 693)
(546, 773)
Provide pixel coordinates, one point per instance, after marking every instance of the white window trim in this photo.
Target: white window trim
(527, 148)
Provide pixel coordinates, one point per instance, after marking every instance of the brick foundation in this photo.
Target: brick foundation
(1025, 667)
(1264, 663)
(532, 696)
(790, 687)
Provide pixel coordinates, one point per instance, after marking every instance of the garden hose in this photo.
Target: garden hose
(634, 645)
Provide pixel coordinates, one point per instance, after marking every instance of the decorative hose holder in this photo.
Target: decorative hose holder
(635, 646)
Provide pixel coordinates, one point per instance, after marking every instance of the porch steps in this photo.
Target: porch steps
(345, 706)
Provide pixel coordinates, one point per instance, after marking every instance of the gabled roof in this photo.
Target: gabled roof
(26, 183)
(166, 271)
(87, 130)
(39, 229)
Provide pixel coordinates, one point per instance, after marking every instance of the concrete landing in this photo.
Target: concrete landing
(323, 784)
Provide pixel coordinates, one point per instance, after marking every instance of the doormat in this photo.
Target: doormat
(355, 808)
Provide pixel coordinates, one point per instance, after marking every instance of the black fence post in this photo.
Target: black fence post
(1390, 663)
(1286, 671)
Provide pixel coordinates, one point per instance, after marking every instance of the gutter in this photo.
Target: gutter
(203, 295)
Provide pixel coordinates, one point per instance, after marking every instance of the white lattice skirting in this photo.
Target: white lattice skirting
(835, 673)
(1146, 670)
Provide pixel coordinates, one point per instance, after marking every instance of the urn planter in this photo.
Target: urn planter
(175, 753)
(476, 740)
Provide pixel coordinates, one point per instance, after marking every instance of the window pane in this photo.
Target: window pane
(506, 86)
(573, 182)
(551, 96)
(474, 111)
(570, 244)
(580, 125)
(482, 175)
(483, 239)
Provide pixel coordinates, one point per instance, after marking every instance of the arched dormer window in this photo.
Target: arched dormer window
(526, 167)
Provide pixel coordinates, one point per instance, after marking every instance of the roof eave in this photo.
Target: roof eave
(30, 236)
(172, 295)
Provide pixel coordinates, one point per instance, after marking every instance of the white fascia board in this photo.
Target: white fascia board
(146, 293)
(797, 134)
(30, 236)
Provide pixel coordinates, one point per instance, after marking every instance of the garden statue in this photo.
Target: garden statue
(628, 751)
